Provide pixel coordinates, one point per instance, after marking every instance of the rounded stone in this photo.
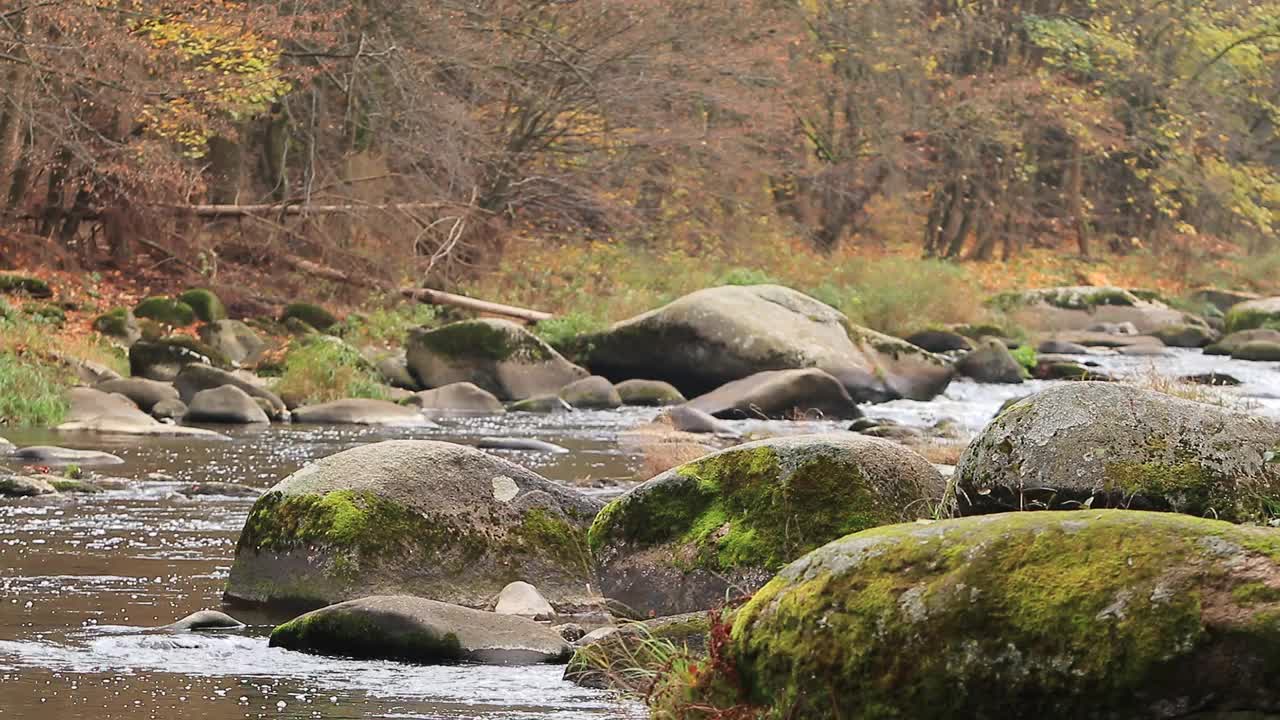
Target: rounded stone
(591, 393)
(648, 392)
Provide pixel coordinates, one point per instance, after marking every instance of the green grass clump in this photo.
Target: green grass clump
(319, 371)
(386, 326)
(1026, 357)
(560, 332)
(31, 392)
(746, 276)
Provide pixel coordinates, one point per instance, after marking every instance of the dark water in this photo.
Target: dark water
(82, 577)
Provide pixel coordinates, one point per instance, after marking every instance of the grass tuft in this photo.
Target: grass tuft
(318, 371)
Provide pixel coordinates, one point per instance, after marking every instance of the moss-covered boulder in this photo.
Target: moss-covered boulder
(654, 393)
(725, 523)
(313, 316)
(119, 324)
(162, 359)
(497, 355)
(1092, 444)
(591, 393)
(1079, 308)
(1264, 312)
(780, 394)
(207, 306)
(234, 340)
(1094, 614)
(1236, 340)
(414, 629)
(1258, 351)
(991, 363)
(166, 311)
(715, 336)
(431, 519)
(13, 284)
(1184, 335)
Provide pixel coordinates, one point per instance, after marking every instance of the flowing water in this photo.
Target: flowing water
(83, 577)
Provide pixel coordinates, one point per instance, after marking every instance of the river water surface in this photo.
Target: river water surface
(82, 577)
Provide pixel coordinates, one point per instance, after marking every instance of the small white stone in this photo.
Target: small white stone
(505, 489)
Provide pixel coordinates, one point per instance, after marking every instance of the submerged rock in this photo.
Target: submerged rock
(361, 411)
(1091, 614)
(591, 393)
(433, 519)
(460, 397)
(726, 522)
(649, 393)
(414, 629)
(543, 404)
(222, 489)
(1093, 444)
(25, 486)
(513, 443)
(206, 620)
(497, 355)
(718, 335)
(521, 598)
(779, 394)
(53, 455)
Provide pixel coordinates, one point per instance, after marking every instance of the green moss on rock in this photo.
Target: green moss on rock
(313, 315)
(168, 311)
(207, 306)
(356, 635)
(481, 340)
(1087, 614)
(26, 285)
(113, 322)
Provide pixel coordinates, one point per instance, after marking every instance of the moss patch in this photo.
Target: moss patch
(207, 306)
(1246, 318)
(545, 534)
(312, 315)
(481, 340)
(168, 311)
(14, 284)
(115, 323)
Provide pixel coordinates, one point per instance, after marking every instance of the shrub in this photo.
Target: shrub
(1026, 357)
(386, 326)
(899, 296)
(560, 331)
(31, 391)
(320, 370)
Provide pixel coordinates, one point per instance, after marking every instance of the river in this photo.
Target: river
(83, 577)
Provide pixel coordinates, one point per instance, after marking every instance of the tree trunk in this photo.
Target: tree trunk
(1075, 198)
(12, 97)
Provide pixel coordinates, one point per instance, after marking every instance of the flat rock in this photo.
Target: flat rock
(780, 394)
(25, 486)
(648, 393)
(424, 631)
(52, 455)
(460, 397)
(205, 620)
(514, 443)
(361, 411)
(95, 411)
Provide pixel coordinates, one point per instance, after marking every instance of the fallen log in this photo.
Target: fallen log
(439, 297)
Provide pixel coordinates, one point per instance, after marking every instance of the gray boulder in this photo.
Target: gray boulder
(234, 340)
(163, 359)
(497, 355)
(52, 455)
(360, 411)
(784, 394)
(514, 443)
(726, 522)
(692, 420)
(1083, 307)
(394, 369)
(169, 410)
(991, 363)
(461, 397)
(1091, 444)
(433, 519)
(648, 393)
(95, 411)
(1183, 335)
(940, 341)
(1221, 299)
(227, 404)
(521, 598)
(194, 378)
(1264, 312)
(1237, 340)
(1061, 347)
(1258, 351)
(205, 620)
(414, 629)
(718, 335)
(1101, 614)
(143, 392)
(591, 393)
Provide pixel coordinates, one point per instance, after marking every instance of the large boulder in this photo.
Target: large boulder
(1252, 314)
(591, 393)
(194, 378)
(1091, 444)
(163, 359)
(143, 392)
(360, 411)
(414, 629)
(718, 335)
(1223, 300)
(725, 523)
(1080, 308)
(1183, 335)
(227, 404)
(1093, 614)
(648, 393)
(1236, 340)
(784, 394)
(96, 411)
(991, 363)
(432, 519)
(497, 355)
(234, 340)
(460, 397)
(1258, 351)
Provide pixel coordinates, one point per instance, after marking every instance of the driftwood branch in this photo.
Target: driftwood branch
(223, 211)
(438, 297)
